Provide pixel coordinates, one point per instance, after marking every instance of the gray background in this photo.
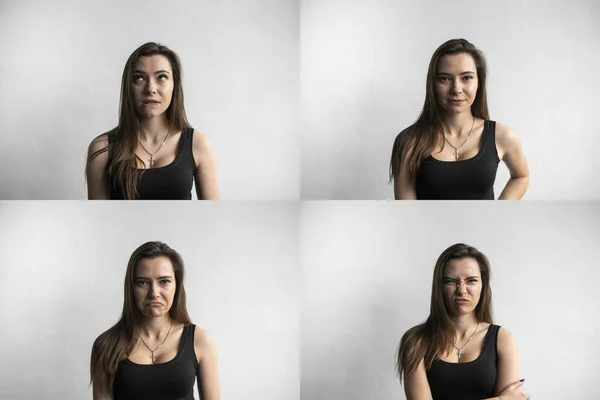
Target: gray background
(60, 74)
(363, 70)
(367, 271)
(62, 269)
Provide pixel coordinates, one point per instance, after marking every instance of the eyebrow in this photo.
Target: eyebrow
(469, 277)
(137, 71)
(159, 278)
(462, 73)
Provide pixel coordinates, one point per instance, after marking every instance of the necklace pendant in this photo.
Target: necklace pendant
(153, 358)
(456, 154)
(151, 161)
(458, 353)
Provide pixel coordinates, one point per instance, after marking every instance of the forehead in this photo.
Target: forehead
(456, 63)
(153, 63)
(154, 267)
(462, 267)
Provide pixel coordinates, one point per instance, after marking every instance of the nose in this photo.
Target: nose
(461, 287)
(153, 292)
(151, 86)
(456, 87)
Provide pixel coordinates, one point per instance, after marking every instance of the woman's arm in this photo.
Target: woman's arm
(208, 368)
(416, 385)
(511, 152)
(403, 186)
(99, 393)
(207, 187)
(403, 189)
(95, 170)
(508, 385)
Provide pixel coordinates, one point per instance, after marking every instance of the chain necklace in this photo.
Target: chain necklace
(456, 148)
(152, 154)
(153, 351)
(459, 350)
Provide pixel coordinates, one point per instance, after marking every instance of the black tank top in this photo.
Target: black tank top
(471, 179)
(171, 182)
(172, 380)
(470, 380)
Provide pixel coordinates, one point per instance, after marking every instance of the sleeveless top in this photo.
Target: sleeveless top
(171, 182)
(471, 179)
(470, 380)
(172, 380)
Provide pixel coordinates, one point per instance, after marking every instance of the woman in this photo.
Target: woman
(154, 351)
(452, 151)
(153, 153)
(458, 353)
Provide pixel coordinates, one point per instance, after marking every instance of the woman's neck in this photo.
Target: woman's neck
(465, 325)
(457, 125)
(153, 129)
(155, 328)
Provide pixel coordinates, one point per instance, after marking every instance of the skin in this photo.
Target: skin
(155, 283)
(153, 80)
(457, 79)
(462, 280)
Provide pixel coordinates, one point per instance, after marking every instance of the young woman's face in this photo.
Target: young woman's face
(462, 285)
(456, 82)
(154, 286)
(152, 85)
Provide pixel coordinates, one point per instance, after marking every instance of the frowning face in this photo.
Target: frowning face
(462, 285)
(154, 286)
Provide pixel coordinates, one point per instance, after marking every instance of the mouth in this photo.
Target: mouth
(147, 103)
(461, 301)
(456, 101)
(154, 304)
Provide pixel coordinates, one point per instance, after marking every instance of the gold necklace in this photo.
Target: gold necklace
(159, 147)
(152, 351)
(459, 350)
(456, 148)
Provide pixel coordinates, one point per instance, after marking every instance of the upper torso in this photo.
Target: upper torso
(172, 174)
(441, 177)
(171, 377)
(474, 377)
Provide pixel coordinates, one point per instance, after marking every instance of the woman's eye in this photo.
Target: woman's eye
(162, 76)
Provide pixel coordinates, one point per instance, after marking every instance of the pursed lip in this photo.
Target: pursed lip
(457, 100)
(154, 303)
(150, 101)
(461, 300)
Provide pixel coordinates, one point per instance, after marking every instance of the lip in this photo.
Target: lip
(154, 304)
(461, 300)
(147, 103)
(456, 101)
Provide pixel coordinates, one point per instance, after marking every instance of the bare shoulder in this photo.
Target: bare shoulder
(201, 141)
(203, 340)
(506, 341)
(100, 142)
(505, 135)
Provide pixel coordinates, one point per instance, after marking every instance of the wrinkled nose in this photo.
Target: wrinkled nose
(461, 288)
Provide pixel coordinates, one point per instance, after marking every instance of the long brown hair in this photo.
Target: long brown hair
(420, 139)
(112, 346)
(121, 167)
(433, 337)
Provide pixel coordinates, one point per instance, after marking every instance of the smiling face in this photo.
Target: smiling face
(154, 286)
(456, 82)
(152, 85)
(462, 285)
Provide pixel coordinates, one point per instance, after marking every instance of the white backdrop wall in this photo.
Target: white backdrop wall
(367, 271)
(61, 68)
(363, 70)
(63, 267)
